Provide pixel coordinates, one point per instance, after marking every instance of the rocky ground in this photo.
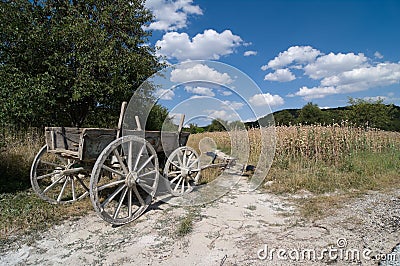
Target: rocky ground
(241, 228)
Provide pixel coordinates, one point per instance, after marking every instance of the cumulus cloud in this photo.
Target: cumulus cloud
(171, 15)
(266, 99)
(203, 91)
(382, 74)
(229, 105)
(207, 45)
(250, 53)
(164, 94)
(200, 72)
(332, 64)
(281, 75)
(295, 54)
(337, 73)
(315, 92)
(223, 114)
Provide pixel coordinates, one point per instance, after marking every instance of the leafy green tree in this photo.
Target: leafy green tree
(217, 125)
(370, 113)
(284, 118)
(310, 114)
(63, 60)
(194, 129)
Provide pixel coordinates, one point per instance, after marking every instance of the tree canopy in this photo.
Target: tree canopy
(71, 63)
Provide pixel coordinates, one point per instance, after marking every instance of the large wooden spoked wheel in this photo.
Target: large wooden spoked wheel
(182, 170)
(58, 179)
(124, 179)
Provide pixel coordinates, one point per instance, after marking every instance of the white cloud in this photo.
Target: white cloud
(200, 72)
(266, 99)
(332, 64)
(281, 75)
(378, 55)
(222, 114)
(229, 105)
(164, 94)
(203, 91)
(226, 93)
(207, 45)
(337, 73)
(362, 78)
(171, 15)
(315, 92)
(249, 53)
(295, 54)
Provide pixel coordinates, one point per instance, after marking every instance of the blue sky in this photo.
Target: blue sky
(295, 51)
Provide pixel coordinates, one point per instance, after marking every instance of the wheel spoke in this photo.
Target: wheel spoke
(137, 194)
(130, 202)
(52, 185)
(73, 188)
(82, 184)
(121, 199)
(105, 167)
(174, 173)
(183, 186)
(194, 162)
(176, 165)
(179, 159)
(177, 184)
(44, 176)
(130, 151)
(175, 178)
(184, 158)
(148, 173)
(144, 185)
(190, 157)
(100, 188)
(112, 196)
(138, 157)
(62, 190)
(121, 161)
(145, 163)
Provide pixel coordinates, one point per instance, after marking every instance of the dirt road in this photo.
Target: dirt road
(241, 228)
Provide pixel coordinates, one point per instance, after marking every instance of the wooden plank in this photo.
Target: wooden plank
(121, 118)
(62, 138)
(181, 123)
(93, 142)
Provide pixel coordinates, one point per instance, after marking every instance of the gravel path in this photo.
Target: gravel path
(241, 228)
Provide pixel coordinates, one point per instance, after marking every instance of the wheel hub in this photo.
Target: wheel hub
(185, 172)
(131, 178)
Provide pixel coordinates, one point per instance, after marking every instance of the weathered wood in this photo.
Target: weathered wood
(138, 126)
(62, 138)
(121, 118)
(93, 141)
(181, 123)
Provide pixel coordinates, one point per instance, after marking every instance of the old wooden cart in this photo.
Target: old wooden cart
(120, 173)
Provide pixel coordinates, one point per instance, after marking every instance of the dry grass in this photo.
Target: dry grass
(331, 162)
(21, 211)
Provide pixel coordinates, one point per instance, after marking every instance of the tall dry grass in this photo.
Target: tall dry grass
(21, 211)
(323, 159)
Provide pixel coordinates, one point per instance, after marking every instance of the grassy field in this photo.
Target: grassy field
(21, 211)
(332, 163)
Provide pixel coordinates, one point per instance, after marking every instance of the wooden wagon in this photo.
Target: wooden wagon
(120, 173)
